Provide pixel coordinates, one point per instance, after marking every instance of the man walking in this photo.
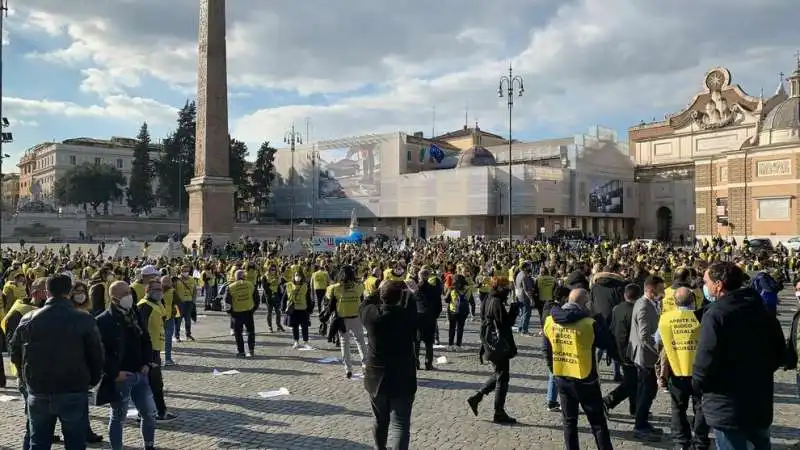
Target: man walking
(243, 298)
(621, 318)
(644, 354)
(524, 293)
(429, 308)
(129, 353)
(59, 354)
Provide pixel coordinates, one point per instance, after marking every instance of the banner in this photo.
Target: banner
(323, 244)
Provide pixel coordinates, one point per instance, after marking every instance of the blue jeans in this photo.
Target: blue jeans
(186, 309)
(525, 311)
(169, 331)
(136, 389)
(552, 392)
(739, 439)
(72, 410)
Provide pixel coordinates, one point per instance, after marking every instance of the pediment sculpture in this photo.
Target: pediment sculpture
(718, 113)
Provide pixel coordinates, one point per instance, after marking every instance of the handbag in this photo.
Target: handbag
(497, 347)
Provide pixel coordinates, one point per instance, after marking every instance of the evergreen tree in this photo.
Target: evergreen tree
(140, 196)
(90, 184)
(263, 177)
(176, 166)
(238, 172)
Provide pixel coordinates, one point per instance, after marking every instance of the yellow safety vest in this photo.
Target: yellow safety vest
(22, 309)
(370, 285)
(668, 302)
(155, 323)
(572, 347)
(680, 332)
(169, 304)
(455, 300)
(212, 279)
(273, 282)
(184, 289)
(319, 280)
(485, 284)
(546, 285)
(242, 296)
(347, 300)
(297, 296)
(138, 288)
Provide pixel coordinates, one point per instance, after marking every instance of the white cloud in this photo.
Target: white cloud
(134, 109)
(584, 61)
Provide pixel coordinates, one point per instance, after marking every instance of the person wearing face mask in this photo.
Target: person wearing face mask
(152, 312)
(740, 347)
(186, 294)
(129, 354)
(429, 308)
(170, 309)
(496, 324)
(572, 336)
(98, 290)
(60, 349)
(644, 355)
(14, 289)
(272, 287)
(297, 298)
(11, 319)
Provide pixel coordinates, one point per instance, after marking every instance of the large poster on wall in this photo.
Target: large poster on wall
(606, 196)
(350, 172)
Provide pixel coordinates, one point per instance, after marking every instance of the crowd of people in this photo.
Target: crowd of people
(698, 321)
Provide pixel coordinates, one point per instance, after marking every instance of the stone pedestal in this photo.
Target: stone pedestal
(210, 210)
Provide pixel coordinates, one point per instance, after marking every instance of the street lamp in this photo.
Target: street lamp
(292, 137)
(313, 156)
(509, 86)
(2, 176)
(180, 160)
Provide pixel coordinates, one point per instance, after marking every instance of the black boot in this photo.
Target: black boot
(503, 418)
(474, 401)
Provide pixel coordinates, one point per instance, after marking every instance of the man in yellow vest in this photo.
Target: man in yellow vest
(319, 284)
(153, 314)
(345, 299)
(571, 338)
(186, 294)
(679, 331)
(243, 300)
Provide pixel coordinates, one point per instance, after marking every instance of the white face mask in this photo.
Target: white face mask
(797, 294)
(297, 279)
(185, 274)
(79, 298)
(126, 302)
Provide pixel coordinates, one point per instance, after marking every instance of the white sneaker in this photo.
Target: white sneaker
(305, 345)
(248, 355)
(296, 345)
(231, 332)
(451, 348)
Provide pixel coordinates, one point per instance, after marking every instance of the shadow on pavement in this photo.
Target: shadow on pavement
(466, 386)
(274, 405)
(286, 441)
(188, 368)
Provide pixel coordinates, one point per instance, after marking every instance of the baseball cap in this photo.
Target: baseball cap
(150, 271)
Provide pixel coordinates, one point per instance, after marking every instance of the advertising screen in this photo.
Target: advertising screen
(350, 172)
(606, 196)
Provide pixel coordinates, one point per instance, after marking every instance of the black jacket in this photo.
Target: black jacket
(58, 349)
(740, 348)
(127, 349)
(494, 310)
(608, 291)
(429, 299)
(391, 363)
(621, 318)
(602, 338)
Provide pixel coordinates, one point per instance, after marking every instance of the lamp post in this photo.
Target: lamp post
(179, 160)
(2, 177)
(510, 85)
(313, 156)
(292, 137)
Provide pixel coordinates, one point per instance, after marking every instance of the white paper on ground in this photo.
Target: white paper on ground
(8, 398)
(306, 349)
(275, 393)
(441, 360)
(439, 347)
(202, 316)
(133, 413)
(328, 360)
(357, 376)
(217, 373)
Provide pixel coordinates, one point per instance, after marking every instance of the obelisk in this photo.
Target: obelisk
(211, 189)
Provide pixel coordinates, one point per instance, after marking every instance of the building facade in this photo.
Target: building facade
(43, 164)
(726, 165)
(418, 186)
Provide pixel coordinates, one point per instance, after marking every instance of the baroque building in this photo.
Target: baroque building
(725, 165)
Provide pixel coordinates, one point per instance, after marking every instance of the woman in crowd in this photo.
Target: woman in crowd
(80, 298)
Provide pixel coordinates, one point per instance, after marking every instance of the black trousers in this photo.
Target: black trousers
(498, 382)
(242, 320)
(320, 295)
(274, 307)
(392, 411)
(625, 390)
(456, 330)
(426, 329)
(646, 390)
(156, 379)
(587, 394)
(681, 392)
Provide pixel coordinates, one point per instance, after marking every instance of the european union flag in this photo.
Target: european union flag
(437, 153)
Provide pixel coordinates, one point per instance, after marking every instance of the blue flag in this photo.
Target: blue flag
(437, 153)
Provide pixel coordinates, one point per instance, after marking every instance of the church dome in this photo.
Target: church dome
(783, 116)
(476, 156)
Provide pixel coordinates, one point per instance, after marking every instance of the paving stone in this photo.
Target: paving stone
(326, 411)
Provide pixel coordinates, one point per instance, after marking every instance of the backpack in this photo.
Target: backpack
(768, 289)
(790, 352)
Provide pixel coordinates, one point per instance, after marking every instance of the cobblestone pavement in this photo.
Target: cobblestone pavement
(326, 411)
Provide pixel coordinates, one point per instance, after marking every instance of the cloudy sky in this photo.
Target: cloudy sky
(99, 68)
